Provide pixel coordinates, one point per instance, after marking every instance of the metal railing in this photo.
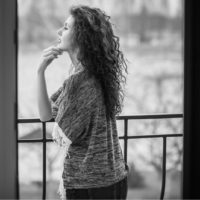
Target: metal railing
(125, 138)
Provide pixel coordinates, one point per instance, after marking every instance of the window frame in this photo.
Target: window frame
(8, 60)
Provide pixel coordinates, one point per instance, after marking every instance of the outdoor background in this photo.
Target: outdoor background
(151, 38)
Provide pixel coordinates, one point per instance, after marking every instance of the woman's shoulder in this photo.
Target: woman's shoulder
(72, 80)
(81, 81)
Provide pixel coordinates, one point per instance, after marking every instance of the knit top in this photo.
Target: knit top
(94, 156)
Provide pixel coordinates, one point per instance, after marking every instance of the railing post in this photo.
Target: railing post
(163, 168)
(125, 138)
(44, 160)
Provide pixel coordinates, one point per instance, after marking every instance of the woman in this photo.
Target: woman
(86, 105)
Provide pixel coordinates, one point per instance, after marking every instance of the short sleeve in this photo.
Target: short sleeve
(75, 110)
(54, 101)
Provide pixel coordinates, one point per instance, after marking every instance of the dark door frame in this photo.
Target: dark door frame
(191, 145)
(8, 96)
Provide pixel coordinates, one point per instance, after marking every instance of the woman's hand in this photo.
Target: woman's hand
(48, 56)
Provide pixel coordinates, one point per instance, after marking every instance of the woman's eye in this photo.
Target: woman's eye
(65, 28)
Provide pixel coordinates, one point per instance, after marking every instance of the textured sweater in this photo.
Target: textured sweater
(95, 156)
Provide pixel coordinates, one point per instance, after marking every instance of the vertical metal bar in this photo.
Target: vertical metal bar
(17, 154)
(163, 167)
(125, 138)
(44, 160)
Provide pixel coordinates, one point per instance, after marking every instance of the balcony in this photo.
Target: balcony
(126, 139)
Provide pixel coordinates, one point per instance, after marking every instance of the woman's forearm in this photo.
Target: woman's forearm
(44, 105)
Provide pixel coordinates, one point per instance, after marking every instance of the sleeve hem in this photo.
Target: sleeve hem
(62, 130)
(59, 137)
(63, 134)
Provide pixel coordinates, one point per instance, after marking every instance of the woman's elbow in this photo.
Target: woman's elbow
(45, 118)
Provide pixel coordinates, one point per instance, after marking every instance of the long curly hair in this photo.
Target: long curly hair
(100, 55)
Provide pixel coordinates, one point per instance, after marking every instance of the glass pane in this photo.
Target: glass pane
(37, 30)
(54, 170)
(49, 129)
(145, 167)
(174, 168)
(151, 38)
(155, 126)
(29, 131)
(120, 127)
(30, 171)
(121, 141)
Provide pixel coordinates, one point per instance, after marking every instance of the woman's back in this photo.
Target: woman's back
(95, 157)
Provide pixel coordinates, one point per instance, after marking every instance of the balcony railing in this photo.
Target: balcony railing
(125, 138)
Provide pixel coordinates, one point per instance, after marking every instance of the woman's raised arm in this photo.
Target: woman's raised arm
(44, 105)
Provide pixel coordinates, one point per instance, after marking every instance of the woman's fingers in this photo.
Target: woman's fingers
(52, 48)
(57, 49)
(51, 57)
(51, 53)
(48, 59)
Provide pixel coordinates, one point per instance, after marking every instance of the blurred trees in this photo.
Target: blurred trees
(41, 19)
(164, 105)
(135, 178)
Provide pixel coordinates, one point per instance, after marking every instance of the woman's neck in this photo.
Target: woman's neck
(74, 60)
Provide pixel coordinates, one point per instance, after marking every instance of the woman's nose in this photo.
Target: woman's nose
(59, 31)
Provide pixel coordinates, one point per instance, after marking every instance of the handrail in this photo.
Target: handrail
(122, 117)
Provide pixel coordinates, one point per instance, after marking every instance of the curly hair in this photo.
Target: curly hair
(99, 54)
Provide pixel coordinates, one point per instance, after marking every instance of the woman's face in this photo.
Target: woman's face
(66, 35)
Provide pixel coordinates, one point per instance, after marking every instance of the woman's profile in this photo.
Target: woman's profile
(85, 106)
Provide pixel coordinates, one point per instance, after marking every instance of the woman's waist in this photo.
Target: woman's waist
(90, 165)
